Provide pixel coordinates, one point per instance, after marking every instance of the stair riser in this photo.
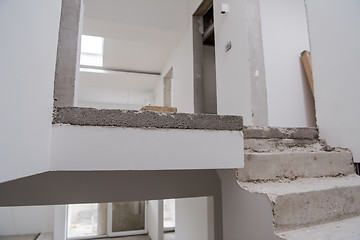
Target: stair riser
(271, 145)
(297, 210)
(268, 166)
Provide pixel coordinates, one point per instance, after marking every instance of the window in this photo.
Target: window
(86, 221)
(92, 50)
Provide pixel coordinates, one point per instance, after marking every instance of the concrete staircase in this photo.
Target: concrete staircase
(308, 183)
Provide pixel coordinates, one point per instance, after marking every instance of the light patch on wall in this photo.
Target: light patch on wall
(92, 49)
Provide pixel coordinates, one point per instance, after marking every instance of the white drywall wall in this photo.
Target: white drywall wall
(155, 219)
(192, 217)
(335, 50)
(107, 148)
(26, 220)
(285, 36)
(114, 89)
(181, 60)
(60, 222)
(245, 215)
(232, 67)
(28, 53)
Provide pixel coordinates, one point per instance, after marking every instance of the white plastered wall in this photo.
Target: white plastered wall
(192, 219)
(155, 219)
(245, 215)
(285, 36)
(26, 220)
(232, 67)
(28, 53)
(335, 37)
(106, 148)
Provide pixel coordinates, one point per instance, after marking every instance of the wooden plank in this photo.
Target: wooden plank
(159, 109)
(306, 60)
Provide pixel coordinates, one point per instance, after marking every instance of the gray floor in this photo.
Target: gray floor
(167, 236)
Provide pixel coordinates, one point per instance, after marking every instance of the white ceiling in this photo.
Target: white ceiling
(139, 34)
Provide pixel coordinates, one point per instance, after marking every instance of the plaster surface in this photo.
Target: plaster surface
(115, 148)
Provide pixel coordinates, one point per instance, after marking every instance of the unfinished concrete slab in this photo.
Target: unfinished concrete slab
(145, 119)
(347, 229)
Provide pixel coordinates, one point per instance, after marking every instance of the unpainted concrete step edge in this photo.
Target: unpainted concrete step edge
(292, 165)
(280, 133)
(273, 145)
(306, 202)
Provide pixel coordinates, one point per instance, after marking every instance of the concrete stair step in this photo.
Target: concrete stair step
(276, 145)
(310, 201)
(347, 229)
(297, 163)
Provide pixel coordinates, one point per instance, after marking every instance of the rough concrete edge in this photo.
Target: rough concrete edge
(280, 133)
(66, 57)
(145, 119)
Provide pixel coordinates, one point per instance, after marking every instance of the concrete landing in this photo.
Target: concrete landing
(347, 229)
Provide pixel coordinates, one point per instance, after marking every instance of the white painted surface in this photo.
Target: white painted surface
(335, 36)
(26, 220)
(181, 60)
(139, 34)
(245, 215)
(28, 52)
(60, 221)
(112, 89)
(232, 67)
(192, 219)
(155, 219)
(285, 36)
(106, 148)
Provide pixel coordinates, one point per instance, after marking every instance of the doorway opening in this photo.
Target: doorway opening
(205, 100)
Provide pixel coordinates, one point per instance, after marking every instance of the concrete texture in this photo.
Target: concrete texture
(259, 103)
(281, 145)
(66, 60)
(309, 201)
(347, 229)
(281, 133)
(292, 165)
(145, 119)
(306, 182)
